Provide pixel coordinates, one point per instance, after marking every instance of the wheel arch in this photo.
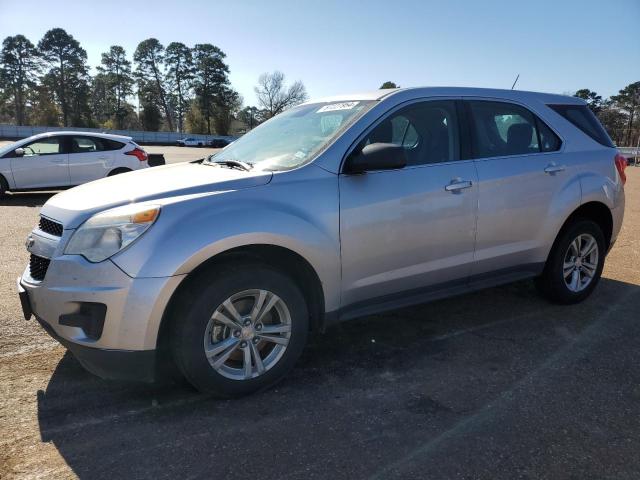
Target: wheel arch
(597, 212)
(118, 170)
(277, 257)
(4, 183)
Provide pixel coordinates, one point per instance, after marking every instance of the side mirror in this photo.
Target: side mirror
(377, 156)
(19, 152)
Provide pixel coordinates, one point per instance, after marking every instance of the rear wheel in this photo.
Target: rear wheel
(575, 263)
(241, 331)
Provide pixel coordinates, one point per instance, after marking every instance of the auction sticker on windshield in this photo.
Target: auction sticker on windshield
(338, 106)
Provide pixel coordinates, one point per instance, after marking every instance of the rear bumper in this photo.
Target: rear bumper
(617, 215)
(110, 364)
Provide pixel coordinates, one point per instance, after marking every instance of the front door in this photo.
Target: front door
(44, 164)
(413, 228)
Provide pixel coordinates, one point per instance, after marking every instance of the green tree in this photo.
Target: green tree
(194, 121)
(594, 101)
(150, 117)
(628, 100)
(19, 66)
(211, 82)
(101, 99)
(389, 85)
(274, 96)
(251, 116)
(6, 110)
(149, 59)
(227, 104)
(117, 82)
(180, 71)
(67, 76)
(613, 120)
(44, 110)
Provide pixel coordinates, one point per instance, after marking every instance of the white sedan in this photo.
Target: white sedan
(64, 159)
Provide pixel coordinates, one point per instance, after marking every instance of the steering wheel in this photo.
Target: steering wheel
(32, 150)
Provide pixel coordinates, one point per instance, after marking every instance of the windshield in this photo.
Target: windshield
(8, 148)
(294, 137)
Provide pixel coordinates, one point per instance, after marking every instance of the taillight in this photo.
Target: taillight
(139, 154)
(621, 164)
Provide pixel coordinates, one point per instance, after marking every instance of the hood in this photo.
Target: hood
(8, 148)
(74, 206)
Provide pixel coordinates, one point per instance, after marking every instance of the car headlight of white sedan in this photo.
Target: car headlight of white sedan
(106, 233)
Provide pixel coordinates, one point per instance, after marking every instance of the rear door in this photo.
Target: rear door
(44, 164)
(412, 228)
(520, 173)
(90, 158)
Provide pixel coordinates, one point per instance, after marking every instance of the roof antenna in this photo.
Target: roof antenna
(515, 81)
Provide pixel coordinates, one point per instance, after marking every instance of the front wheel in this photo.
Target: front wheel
(575, 263)
(242, 331)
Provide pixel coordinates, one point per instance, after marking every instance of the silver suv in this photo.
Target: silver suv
(335, 209)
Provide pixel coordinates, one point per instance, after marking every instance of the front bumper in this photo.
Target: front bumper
(110, 364)
(130, 311)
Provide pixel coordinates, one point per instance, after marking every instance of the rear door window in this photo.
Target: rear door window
(502, 129)
(585, 120)
(83, 145)
(549, 141)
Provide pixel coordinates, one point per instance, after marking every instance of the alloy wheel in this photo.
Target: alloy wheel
(580, 262)
(247, 334)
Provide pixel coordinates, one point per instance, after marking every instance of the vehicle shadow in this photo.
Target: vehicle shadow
(468, 384)
(26, 199)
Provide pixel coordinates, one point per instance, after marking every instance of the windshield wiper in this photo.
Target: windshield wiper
(232, 164)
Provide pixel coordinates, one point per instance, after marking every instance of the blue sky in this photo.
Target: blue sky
(340, 46)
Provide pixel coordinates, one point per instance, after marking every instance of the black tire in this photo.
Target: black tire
(118, 171)
(197, 304)
(551, 283)
(4, 187)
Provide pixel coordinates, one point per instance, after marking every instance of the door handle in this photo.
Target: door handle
(57, 161)
(456, 185)
(553, 168)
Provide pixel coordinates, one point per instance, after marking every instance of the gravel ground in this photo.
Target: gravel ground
(495, 384)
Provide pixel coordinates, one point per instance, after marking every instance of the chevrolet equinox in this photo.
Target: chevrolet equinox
(334, 209)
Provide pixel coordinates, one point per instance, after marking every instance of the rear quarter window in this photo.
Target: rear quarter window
(583, 118)
(111, 144)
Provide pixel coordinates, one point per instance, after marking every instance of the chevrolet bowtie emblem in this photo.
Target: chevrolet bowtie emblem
(29, 242)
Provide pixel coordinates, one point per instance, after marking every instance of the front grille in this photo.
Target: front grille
(50, 227)
(38, 267)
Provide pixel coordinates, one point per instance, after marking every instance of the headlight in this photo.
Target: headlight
(108, 232)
